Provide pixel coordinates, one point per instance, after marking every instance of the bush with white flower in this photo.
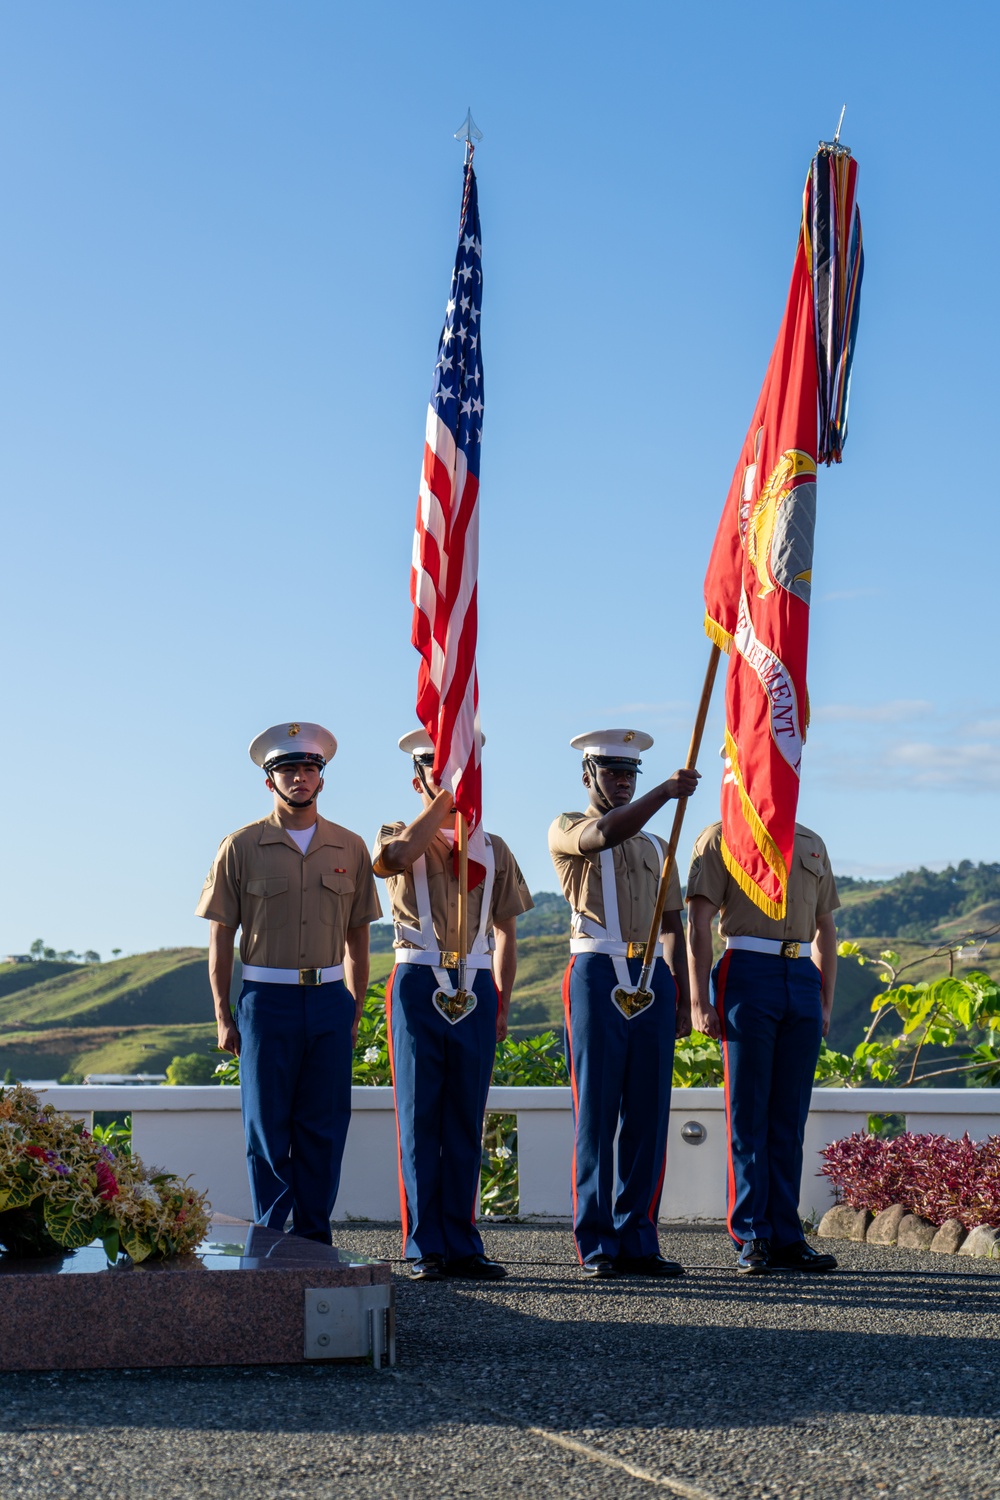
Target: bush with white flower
(61, 1188)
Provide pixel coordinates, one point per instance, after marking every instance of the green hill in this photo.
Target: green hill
(921, 904)
(170, 985)
(135, 1014)
(14, 977)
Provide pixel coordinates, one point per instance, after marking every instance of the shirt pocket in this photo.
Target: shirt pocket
(268, 900)
(809, 872)
(337, 894)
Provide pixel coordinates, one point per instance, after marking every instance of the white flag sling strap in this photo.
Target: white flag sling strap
(480, 955)
(589, 936)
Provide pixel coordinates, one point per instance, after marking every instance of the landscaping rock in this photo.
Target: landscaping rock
(949, 1238)
(843, 1223)
(885, 1226)
(915, 1233)
(982, 1241)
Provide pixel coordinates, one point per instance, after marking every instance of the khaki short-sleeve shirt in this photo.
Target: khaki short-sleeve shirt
(812, 891)
(510, 893)
(294, 909)
(637, 876)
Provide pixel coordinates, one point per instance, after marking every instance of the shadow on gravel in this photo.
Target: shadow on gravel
(622, 1355)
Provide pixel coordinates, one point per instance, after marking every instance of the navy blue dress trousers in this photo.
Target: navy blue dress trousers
(771, 1013)
(295, 1078)
(441, 1073)
(621, 1072)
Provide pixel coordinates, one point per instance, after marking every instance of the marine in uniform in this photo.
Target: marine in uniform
(302, 893)
(619, 1045)
(442, 1056)
(770, 1002)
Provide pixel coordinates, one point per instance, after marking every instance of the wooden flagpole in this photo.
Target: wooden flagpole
(675, 833)
(463, 899)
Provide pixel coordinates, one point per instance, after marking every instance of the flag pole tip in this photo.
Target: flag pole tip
(834, 147)
(468, 131)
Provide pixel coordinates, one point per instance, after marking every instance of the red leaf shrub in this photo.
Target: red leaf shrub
(930, 1175)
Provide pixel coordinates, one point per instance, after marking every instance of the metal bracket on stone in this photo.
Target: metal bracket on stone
(352, 1322)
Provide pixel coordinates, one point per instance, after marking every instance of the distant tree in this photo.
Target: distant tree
(90, 957)
(196, 1068)
(115, 952)
(67, 956)
(49, 953)
(37, 949)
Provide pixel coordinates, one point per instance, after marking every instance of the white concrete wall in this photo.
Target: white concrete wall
(199, 1132)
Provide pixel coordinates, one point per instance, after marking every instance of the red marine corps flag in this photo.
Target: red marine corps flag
(759, 575)
(443, 578)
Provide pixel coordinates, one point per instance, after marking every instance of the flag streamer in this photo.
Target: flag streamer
(831, 225)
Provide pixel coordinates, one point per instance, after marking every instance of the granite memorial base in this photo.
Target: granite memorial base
(258, 1298)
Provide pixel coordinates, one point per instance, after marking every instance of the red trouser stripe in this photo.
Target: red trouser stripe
(572, 1080)
(475, 1191)
(720, 996)
(403, 1214)
(654, 1202)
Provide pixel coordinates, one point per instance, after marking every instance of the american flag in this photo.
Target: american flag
(446, 541)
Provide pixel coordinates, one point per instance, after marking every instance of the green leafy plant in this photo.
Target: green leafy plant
(371, 1052)
(498, 1185)
(195, 1068)
(533, 1062)
(697, 1062)
(116, 1135)
(959, 1013)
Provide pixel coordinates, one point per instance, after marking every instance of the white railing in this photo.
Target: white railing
(198, 1131)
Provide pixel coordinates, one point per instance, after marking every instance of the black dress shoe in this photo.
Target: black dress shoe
(601, 1267)
(801, 1257)
(475, 1268)
(647, 1265)
(755, 1258)
(427, 1268)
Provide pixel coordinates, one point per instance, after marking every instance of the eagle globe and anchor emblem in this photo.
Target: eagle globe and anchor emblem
(778, 527)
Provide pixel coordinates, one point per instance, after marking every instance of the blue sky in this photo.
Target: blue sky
(228, 236)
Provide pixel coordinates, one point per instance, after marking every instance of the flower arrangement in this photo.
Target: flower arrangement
(61, 1187)
(931, 1175)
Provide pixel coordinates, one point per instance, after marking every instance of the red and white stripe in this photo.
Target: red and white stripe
(443, 588)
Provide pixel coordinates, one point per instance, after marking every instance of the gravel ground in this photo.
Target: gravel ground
(882, 1379)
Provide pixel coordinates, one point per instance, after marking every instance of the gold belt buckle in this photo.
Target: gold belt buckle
(310, 976)
(449, 960)
(790, 949)
(636, 950)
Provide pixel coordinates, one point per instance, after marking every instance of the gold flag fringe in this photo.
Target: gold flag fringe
(718, 634)
(765, 843)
